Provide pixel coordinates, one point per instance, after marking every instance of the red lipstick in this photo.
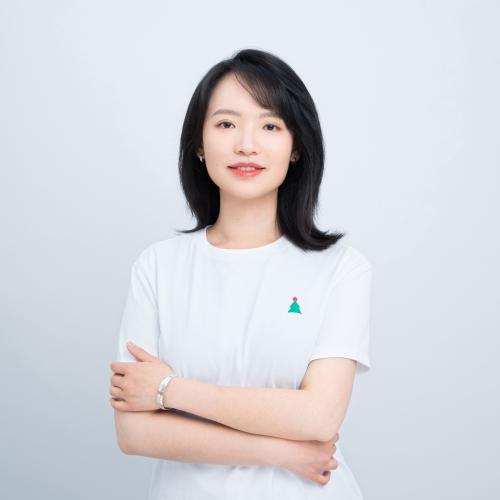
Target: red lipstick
(255, 169)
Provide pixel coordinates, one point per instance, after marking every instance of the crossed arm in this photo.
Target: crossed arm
(184, 438)
(313, 412)
(284, 413)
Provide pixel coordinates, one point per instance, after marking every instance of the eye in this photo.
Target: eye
(229, 123)
(221, 123)
(273, 125)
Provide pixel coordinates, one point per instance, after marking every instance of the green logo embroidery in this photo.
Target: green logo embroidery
(294, 307)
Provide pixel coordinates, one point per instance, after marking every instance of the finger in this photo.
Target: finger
(324, 477)
(333, 440)
(121, 367)
(116, 392)
(140, 353)
(333, 464)
(117, 380)
(118, 404)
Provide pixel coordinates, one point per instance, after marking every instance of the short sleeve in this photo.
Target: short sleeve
(139, 321)
(345, 331)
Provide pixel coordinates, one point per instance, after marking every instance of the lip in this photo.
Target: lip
(243, 164)
(246, 173)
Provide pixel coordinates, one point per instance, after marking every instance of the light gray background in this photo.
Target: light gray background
(93, 95)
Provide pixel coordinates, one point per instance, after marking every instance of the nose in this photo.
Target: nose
(246, 143)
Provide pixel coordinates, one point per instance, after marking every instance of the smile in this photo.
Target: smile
(246, 171)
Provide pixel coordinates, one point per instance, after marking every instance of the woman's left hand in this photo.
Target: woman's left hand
(134, 385)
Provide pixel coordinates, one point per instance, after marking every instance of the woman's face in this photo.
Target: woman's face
(234, 131)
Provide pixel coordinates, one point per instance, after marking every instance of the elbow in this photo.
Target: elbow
(124, 446)
(325, 437)
(330, 420)
(325, 434)
(319, 432)
(121, 433)
(327, 430)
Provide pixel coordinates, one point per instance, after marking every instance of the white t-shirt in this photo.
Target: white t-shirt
(251, 318)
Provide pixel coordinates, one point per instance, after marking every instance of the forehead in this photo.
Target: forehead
(230, 97)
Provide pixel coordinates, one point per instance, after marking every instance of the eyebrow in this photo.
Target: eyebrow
(236, 113)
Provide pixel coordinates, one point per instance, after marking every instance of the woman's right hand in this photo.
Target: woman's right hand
(313, 460)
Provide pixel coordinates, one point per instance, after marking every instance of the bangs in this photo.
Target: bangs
(264, 88)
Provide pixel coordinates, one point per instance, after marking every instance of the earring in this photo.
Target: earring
(201, 158)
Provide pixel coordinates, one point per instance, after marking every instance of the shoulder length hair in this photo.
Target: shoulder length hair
(275, 86)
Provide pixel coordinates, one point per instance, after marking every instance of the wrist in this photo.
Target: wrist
(170, 396)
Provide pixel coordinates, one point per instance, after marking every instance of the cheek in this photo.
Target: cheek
(278, 174)
(217, 146)
(279, 158)
(279, 149)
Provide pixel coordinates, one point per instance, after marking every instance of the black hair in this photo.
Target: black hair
(275, 86)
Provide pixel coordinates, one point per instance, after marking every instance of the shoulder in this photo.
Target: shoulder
(344, 255)
(350, 262)
(352, 257)
(163, 250)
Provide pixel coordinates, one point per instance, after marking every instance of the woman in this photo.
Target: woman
(255, 321)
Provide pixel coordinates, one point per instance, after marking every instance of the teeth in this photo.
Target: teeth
(246, 168)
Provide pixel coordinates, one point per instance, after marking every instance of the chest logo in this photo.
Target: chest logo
(294, 306)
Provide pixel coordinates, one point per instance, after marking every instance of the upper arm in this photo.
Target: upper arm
(342, 345)
(330, 381)
(345, 329)
(140, 321)
(140, 324)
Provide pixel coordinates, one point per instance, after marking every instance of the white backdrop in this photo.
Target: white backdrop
(92, 99)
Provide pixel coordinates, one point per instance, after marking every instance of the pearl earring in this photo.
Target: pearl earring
(201, 158)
